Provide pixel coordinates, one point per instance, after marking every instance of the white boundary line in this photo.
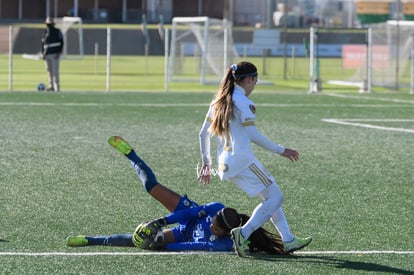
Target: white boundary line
(372, 98)
(351, 122)
(360, 97)
(96, 104)
(145, 253)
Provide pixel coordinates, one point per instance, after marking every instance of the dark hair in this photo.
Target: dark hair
(260, 239)
(228, 218)
(223, 104)
(242, 70)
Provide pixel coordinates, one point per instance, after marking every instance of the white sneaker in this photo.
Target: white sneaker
(296, 244)
(240, 243)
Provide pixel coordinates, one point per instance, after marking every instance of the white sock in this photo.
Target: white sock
(260, 215)
(279, 220)
(272, 200)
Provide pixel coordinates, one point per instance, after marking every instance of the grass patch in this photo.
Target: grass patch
(351, 190)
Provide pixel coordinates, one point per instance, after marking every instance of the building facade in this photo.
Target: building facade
(259, 13)
(131, 11)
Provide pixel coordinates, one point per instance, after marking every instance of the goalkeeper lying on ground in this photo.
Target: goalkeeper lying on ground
(200, 227)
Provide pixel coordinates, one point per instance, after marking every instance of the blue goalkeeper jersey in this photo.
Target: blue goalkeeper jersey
(193, 230)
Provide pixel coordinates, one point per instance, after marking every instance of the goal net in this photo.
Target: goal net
(71, 28)
(385, 60)
(391, 54)
(200, 50)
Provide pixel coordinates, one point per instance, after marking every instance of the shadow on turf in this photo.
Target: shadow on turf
(332, 261)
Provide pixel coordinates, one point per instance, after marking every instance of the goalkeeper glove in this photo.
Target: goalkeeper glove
(149, 235)
(157, 224)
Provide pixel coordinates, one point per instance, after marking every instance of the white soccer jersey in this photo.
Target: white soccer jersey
(234, 151)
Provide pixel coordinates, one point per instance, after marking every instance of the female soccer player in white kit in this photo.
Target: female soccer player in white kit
(231, 118)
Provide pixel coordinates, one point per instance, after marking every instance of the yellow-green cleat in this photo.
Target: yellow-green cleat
(296, 244)
(120, 144)
(76, 241)
(240, 243)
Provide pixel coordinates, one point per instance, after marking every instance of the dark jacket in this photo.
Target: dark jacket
(52, 41)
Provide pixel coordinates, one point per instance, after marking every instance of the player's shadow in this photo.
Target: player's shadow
(332, 261)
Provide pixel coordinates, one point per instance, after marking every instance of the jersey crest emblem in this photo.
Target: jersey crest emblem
(252, 108)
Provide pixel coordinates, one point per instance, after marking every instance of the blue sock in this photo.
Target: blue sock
(113, 240)
(144, 172)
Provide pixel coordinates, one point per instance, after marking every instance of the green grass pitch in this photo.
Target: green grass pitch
(352, 189)
(140, 73)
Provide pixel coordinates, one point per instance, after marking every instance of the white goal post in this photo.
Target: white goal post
(200, 49)
(72, 30)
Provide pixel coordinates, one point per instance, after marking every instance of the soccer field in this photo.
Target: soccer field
(352, 189)
(142, 74)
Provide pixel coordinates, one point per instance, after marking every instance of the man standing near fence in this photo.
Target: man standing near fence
(52, 45)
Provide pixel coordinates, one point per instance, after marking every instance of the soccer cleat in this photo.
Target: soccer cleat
(75, 241)
(120, 144)
(296, 244)
(240, 243)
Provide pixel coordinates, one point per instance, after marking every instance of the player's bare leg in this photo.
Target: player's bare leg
(164, 195)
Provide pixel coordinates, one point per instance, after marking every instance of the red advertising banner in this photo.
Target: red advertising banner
(354, 56)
